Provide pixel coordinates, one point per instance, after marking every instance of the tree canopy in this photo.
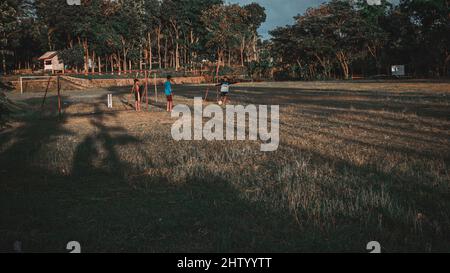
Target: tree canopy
(338, 39)
(123, 35)
(341, 38)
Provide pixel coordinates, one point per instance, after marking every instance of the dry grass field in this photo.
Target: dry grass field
(357, 162)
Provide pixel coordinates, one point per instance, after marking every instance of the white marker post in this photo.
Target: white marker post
(156, 89)
(110, 101)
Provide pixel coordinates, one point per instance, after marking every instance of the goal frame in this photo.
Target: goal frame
(58, 87)
(32, 77)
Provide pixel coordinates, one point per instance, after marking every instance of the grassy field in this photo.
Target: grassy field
(357, 162)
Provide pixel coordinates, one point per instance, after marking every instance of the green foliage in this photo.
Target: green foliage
(261, 69)
(72, 57)
(4, 111)
(256, 15)
(9, 23)
(424, 42)
(337, 39)
(222, 24)
(173, 32)
(341, 38)
(5, 104)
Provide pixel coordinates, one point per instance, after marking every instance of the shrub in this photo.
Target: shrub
(5, 105)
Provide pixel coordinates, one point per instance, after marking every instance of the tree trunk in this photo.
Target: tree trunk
(4, 63)
(150, 54)
(220, 54)
(177, 46)
(124, 52)
(177, 54)
(159, 46)
(255, 51)
(191, 53)
(112, 65)
(99, 65)
(125, 64)
(93, 62)
(324, 62)
(140, 59)
(343, 60)
(86, 55)
(119, 63)
(185, 61)
(165, 53)
(49, 38)
(242, 50)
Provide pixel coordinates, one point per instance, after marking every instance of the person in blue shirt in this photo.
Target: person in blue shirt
(169, 93)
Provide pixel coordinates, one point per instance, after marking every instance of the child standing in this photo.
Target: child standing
(169, 93)
(224, 90)
(136, 90)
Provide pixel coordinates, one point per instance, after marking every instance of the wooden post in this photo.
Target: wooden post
(206, 95)
(156, 89)
(217, 94)
(218, 87)
(59, 96)
(146, 90)
(45, 95)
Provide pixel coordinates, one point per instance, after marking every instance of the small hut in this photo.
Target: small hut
(51, 62)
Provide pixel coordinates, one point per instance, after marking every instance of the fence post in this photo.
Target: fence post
(59, 95)
(156, 90)
(146, 89)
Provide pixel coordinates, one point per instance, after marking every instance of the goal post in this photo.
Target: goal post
(25, 78)
(49, 79)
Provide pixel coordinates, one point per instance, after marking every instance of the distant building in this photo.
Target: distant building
(398, 70)
(51, 62)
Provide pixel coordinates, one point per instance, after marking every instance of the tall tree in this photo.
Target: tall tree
(255, 16)
(222, 24)
(9, 24)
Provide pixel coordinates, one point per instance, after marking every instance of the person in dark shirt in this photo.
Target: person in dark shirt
(138, 94)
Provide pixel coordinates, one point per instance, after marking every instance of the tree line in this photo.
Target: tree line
(343, 38)
(336, 40)
(123, 35)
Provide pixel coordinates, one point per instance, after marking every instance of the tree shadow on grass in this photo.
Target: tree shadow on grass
(108, 211)
(422, 104)
(401, 211)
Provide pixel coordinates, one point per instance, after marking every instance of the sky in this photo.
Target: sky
(280, 12)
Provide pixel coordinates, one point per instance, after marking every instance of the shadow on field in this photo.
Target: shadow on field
(106, 210)
(111, 205)
(401, 211)
(421, 104)
(386, 130)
